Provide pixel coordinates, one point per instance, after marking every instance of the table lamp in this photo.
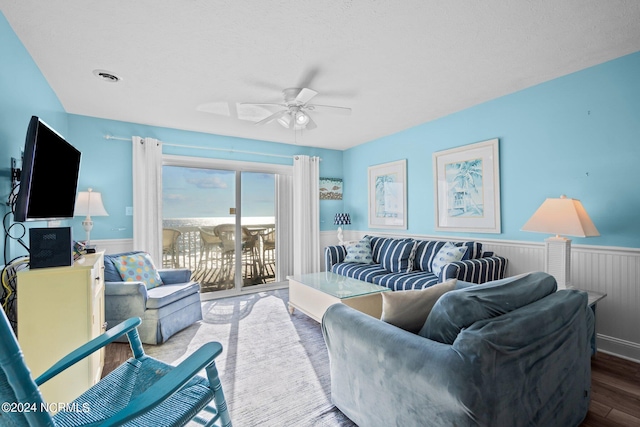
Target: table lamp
(340, 220)
(89, 203)
(563, 216)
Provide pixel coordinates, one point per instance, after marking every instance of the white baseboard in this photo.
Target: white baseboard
(620, 348)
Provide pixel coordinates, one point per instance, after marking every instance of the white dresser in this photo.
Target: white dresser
(59, 309)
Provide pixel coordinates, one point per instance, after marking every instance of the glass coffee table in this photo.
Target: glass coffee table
(313, 293)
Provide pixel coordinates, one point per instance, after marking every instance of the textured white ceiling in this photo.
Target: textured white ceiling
(395, 63)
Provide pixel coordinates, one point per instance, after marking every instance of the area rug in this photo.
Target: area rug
(274, 367)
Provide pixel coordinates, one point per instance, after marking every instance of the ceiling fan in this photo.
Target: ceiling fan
(296, 108)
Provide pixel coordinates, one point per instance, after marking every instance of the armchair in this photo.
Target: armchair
(164, 309)
(141, 391)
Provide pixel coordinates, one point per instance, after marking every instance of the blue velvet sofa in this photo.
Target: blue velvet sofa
(164, 309)
(405, 263)
(512, 352)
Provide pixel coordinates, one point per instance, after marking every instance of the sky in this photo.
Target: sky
(200, 193)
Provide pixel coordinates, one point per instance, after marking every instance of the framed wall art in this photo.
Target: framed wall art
(330, 188)
(388, 195)
(467, 188)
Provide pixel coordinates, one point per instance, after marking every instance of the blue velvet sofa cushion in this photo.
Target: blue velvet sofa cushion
(460, 309)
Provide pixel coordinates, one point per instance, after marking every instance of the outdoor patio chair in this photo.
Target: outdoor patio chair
(269, 252)
(142, 391)
(170, 238)
(250, 256)
(210, 263)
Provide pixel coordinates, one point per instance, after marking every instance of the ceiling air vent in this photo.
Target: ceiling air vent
(106, 76)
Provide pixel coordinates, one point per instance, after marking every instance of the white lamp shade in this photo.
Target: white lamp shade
(562, 216)
(89, 203)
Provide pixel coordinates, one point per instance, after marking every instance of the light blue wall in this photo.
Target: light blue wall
(106, 165)
(578, 135)
(24, 92)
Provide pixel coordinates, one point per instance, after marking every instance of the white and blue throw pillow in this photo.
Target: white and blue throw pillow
(448, 253)
(359, 252)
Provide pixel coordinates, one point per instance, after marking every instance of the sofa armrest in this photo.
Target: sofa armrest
(172, 276)
(383, 375)
(123, 300)
(478, 270)
(528, 361)
(333, 255)
(125, 288)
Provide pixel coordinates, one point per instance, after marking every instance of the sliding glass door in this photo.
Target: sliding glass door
(258, 227)
(221, 224)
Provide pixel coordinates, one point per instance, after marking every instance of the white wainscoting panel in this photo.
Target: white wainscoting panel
(113, 246)
(616, 272)
(327, 238)
(608, 270)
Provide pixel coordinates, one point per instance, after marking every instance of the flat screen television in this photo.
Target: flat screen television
(49, 177)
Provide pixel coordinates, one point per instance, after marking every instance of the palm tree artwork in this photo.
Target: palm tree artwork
(464, 189)
(388, 201)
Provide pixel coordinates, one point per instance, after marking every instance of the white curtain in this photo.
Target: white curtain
(284, 225)
(306, 215)
(147, 197)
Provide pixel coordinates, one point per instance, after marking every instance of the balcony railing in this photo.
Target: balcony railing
(209, 252)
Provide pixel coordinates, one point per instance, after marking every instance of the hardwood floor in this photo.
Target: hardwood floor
(615, 388)
(615, 392)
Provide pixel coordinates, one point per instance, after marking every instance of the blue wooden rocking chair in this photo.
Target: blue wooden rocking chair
(141, 392)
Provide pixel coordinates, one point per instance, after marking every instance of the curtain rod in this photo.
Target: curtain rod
(228, 150)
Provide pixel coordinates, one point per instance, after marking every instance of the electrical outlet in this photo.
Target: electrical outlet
(15, 171)
(128, 211)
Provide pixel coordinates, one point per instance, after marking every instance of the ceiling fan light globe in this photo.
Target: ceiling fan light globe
(301, 118)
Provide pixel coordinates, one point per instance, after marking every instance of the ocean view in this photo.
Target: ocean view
(213, 221)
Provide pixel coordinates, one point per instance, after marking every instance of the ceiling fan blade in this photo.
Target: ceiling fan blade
(311, 124)
(263, 104)
(345, 111)
(305, 96)
(221, 108)
(272, 117)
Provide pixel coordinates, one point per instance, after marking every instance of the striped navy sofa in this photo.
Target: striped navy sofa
(406, 263)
